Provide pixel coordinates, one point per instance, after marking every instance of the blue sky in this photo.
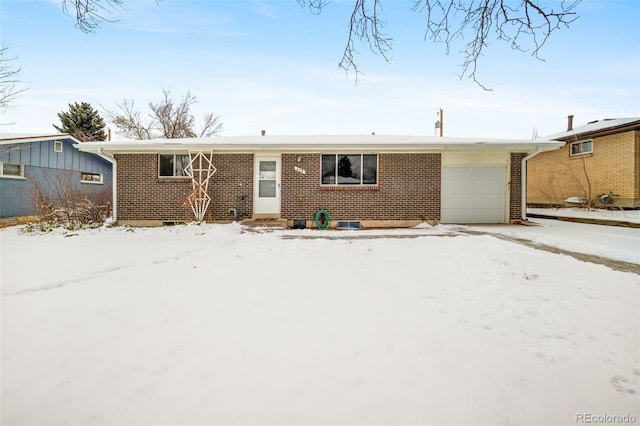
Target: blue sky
(273, 65)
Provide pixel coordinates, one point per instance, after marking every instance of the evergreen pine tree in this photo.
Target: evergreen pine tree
(82, 122)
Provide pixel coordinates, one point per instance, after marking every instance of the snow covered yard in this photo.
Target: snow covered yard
(201, 325)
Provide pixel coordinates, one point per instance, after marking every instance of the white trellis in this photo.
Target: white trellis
(200, 170)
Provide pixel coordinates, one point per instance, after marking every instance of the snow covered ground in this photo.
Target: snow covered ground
(631, 216)
(210, 324)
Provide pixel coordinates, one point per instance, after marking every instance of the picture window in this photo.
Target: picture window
(349, 169)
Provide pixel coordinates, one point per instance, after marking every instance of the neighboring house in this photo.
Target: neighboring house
(599, 164)
(374, 179)
(48, 162)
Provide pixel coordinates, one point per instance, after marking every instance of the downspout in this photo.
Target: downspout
(523, 171)
(114, 184)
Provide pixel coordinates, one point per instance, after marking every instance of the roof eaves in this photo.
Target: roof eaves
(8, 139)
(593, 130)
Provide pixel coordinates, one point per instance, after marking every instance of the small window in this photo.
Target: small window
(583, 147)
(57, 146)
(11, 170)
(173, 165)
(90, 177)
(349, 169)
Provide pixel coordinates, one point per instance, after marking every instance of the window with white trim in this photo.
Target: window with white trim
(11, 170)
(582, 147)
(173, 165)
(57, 146)
(90, 177)
(349, 169)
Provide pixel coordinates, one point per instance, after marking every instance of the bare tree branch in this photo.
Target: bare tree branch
(167, 119)
(365, 26)
(211, 126)
(525, 25)
(128, 121)
(10, 85)
(90, 14)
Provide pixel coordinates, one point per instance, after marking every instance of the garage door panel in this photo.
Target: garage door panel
(479, 187)
(476, 201)
(472, 194)
(473, 215)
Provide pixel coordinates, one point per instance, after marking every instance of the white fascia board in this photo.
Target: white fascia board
(31, 139)
(288, 144)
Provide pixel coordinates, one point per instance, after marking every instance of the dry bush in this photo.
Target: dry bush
(61, 202)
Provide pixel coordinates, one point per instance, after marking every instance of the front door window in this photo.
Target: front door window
(267, 179)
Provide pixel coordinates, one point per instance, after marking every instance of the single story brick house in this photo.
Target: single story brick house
(376, 180)
(40, 162)
(599, 164)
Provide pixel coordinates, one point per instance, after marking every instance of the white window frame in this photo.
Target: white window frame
(91, 181)
(352, 185)
(173, 176)
(580, 146)
(18, 176)
(57, 146)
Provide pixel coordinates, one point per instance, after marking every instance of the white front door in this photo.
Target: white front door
(266, 186)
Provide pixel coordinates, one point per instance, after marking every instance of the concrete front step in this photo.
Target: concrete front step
(272, 223)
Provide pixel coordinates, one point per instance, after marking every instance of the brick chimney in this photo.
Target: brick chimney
(262, 132)
(569, 123)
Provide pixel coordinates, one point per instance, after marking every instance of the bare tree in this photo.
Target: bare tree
(10, 84)
(168, 119)
(525, 25)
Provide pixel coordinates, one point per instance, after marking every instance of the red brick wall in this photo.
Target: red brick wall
(231, 186)
(408, 189)
(142, 195)
(515, 191)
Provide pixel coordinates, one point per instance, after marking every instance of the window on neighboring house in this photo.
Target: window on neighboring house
(173, 165)
(11, 170)
(583, 147)
(349, 169)
(57, 146)
(90, 177)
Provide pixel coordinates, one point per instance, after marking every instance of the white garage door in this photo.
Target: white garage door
(473, 194)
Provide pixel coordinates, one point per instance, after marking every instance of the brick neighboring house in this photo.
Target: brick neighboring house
(599, 162)
(45, 162)
(374, 179)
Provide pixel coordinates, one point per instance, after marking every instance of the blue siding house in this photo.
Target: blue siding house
(29, 161)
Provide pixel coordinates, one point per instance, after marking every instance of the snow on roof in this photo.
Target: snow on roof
(14, 138)
(594, 126)
(315, 142)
